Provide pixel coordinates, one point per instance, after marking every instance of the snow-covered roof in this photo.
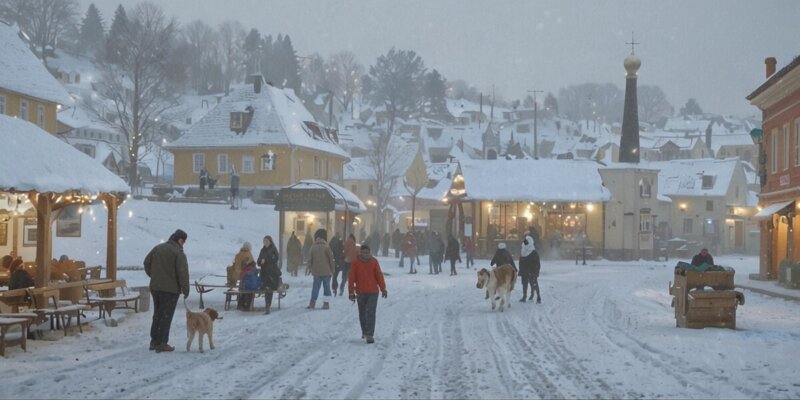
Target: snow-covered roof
(685, 177)
(22, 72)
(358, 169)
(533, 180)
(438, 172)
(733, 139)
(32, 159)
(340, 194)
(686, 124)
(279, 118)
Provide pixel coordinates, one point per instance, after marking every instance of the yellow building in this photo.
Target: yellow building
(27, 90)
(262, 133)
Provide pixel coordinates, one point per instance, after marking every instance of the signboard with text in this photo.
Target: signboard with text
(290, 199)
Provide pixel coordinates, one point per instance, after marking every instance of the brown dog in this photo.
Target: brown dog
(200, 322)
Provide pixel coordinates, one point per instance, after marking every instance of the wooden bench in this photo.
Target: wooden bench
(230, 293)
(46, 301)
(15, 298)
(110, 295)
(13, 338)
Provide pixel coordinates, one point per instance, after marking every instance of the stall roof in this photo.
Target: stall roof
(34, 160)
(339, 194)
(533, 180)
(767, 211)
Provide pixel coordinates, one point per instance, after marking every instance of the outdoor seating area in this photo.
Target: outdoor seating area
(233, 293)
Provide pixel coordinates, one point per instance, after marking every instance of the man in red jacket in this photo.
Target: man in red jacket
(366, 279)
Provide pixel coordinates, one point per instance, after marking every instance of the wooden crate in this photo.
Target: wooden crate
(698, 308)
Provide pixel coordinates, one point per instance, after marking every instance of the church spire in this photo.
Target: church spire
(629, 143)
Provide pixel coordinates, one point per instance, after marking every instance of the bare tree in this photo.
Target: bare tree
(137, 88)
(43, 21)
(415, 179)
(385, 170)
(342, 74)
(231, 38)
(653, 103)
(200, 39)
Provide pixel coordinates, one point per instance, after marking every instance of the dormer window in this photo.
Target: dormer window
(237, 121)
(708, 182)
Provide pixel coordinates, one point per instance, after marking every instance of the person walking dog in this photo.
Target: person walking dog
(168, 270)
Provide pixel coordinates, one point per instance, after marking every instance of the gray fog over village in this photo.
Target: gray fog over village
(285, 174)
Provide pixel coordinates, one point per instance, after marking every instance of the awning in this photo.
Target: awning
(771, 209)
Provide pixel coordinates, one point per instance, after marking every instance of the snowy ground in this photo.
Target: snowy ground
(605, 330)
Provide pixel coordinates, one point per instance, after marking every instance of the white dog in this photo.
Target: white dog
(499, 282)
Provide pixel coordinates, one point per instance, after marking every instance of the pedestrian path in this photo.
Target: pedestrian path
(769, 288)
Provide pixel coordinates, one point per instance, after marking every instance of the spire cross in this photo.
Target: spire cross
(632, 43)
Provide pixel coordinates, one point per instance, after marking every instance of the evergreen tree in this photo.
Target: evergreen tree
(292, 67)
(267, 60)
(434, 90)
(119, 26)
(92, 34)
(252, 49)
(395, 83)
(691, 108)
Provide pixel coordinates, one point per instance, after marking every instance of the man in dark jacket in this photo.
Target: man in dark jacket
(268, 260)
(337, 247)
(168, 270)
(704, 257)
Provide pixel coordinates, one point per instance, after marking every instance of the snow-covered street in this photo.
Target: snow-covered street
(604, 330)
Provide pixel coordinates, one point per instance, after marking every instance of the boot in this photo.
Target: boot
(163, 347)
(326, 306)
(311, 305)
(370, 339)
(267, 311)
(522, 300)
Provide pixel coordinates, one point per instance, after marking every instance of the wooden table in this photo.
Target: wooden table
(5, 325)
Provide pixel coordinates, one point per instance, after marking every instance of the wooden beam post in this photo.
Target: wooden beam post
(44, 239)
(112, 204)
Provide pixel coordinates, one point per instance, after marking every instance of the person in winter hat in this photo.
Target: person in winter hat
(529, 266)
(502, 256)
(366, 279)
(241, 258)
(350, 254)
(322, 266)
(294, 254)
(453, 253)
(168, 270)
(268, 261)
(337, 247)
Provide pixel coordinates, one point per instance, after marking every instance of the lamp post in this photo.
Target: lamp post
(758, 138)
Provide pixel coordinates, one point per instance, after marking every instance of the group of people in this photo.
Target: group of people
(18, 277)
(168, 269)
(430, 243)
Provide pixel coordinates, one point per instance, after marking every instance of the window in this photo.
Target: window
(317, 167)
(40, 116)
(222, 163)
(248, 164)
(773, 151)
(709, 205)
(644, 188)
(370, 190)
(268, 161)
(709, 226)
(23, 109)
(785, 147)
(797, 142)
(687, 225)
(2, 104)
(645, 221)
(198, 162)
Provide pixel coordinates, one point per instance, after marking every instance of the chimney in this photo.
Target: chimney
(771, 62)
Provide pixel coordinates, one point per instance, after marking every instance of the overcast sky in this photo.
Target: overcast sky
(711, 50)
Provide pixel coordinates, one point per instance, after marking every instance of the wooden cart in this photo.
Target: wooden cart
(704, 299)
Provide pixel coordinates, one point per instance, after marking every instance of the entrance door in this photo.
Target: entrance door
(738, 235)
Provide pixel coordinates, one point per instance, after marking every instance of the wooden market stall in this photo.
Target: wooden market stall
(40, 176)
(312, 204)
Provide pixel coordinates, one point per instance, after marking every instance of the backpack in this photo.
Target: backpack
(250, 277)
